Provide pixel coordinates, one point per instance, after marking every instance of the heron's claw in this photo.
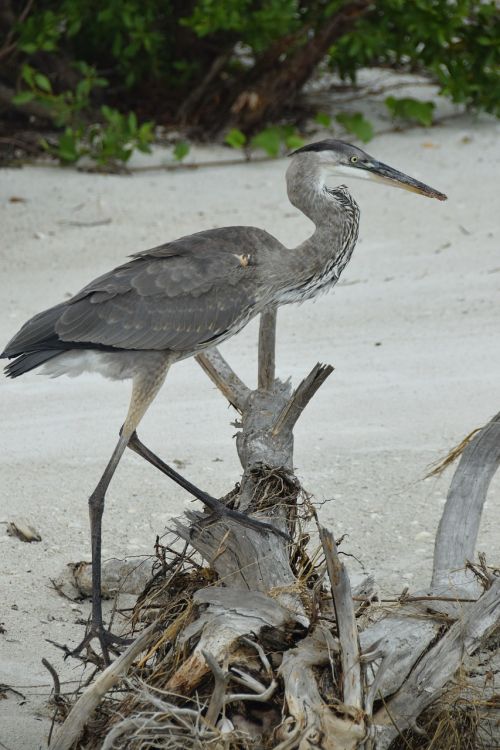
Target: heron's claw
(108, 641)
(218, 511)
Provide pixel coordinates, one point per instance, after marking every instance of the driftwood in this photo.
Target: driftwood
(266, 643)
(72, 727)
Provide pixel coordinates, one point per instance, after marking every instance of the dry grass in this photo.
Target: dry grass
(452, 456)
(454, 723)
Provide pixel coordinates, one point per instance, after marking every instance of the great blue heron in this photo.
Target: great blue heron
(177, 299)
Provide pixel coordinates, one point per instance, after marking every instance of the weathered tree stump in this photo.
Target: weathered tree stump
(262, 643)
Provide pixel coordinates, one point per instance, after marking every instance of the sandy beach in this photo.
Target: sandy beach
(411, 329)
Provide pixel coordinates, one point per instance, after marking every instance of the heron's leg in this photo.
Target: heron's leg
(217, 508)
(144, 389)
(96, 508)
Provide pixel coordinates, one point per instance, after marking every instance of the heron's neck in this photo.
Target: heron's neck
(318, 262)
(307, 192)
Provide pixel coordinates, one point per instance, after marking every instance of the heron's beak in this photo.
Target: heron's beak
(383, 173)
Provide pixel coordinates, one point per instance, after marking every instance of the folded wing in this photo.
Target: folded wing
(178, 296)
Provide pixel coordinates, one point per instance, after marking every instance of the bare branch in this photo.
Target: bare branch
(197, 94)
(261, 696)
(55, 678)
(301, 397)
(71, 729)
(221, 679)
(262, 655)
(459, 526)
(346, 621)
(267, 349)
(260, 692)
(224, 377)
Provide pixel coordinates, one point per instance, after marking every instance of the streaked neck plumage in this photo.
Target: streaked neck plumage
(318, 262)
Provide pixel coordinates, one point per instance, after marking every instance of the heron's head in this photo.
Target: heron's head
(341, 159)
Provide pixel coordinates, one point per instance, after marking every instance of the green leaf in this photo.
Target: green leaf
(181, 150)
(235, 138)
(146, 130)
(410, 109)
(67, 149)
(74, 27)
(356, 124)
(294, 141)
(322, 118)
(28, 47)
(269, 140)
(23, 97)
(144, 147)
(112, 115)
(132, 122)
(28, 75)
(43, 82)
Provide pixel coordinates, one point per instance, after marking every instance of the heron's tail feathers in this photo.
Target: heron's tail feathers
(34, 344)
(28, 361)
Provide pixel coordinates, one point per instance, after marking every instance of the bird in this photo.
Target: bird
(184, 296)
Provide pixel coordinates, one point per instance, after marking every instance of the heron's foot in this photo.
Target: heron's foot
(219, 511)
(108, 641)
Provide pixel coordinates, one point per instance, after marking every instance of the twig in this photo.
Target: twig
(55, 677)
(221, 680)
(346, 621)
(59, 700)
(262, 655)
(260, 692)
(9, 46)
(4, 688)
(481, 572)
(260, 696)
(197, 94)
(70, 730)
(301, 397)
(97, 223)
(267, 349)
(224, 377)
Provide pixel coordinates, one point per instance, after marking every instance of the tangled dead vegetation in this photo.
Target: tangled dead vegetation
(238, 703)
(247, 641)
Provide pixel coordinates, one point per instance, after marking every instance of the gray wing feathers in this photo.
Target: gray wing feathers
(177, 296)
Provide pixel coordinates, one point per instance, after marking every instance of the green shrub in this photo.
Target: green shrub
(235, 66)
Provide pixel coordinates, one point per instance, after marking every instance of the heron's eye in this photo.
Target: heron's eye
(353, 159)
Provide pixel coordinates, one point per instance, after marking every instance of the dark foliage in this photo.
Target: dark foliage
(210, 66)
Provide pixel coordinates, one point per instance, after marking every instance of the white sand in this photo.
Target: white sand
(412, 330)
